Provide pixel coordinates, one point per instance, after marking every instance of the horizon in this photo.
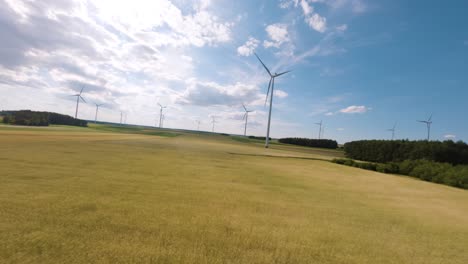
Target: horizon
(360, 66)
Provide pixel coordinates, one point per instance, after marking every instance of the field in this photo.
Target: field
(112, 195)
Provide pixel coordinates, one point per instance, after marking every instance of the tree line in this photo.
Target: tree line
(384, 151)
(437, 172)
(34, 118)
(307, 142)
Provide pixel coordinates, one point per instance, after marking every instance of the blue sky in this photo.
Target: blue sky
(358, 65)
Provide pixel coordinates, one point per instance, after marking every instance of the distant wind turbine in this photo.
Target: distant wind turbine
(271, 85)
(198, 124)
(320, 128)
(246, 117)
(323, 131)
(121, 115)
(428, 123)
(97, 109)
(393, 130)
(78, 97)
(213, 121)
(161, 114)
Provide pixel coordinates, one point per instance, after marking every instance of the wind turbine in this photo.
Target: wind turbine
(272, 85)
(78, 97)
(323, 130)
(161, 114)
(320, 128)
(246, 117)
(198, 124)
(393, 130)
(121, 115)
(97, 109)
(428, 123)
(213, 121)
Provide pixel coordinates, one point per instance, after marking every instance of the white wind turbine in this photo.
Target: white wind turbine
(97, 109)
(198, 124)
(428, 123)
(246, 117)
(393, 130)
(271, 85)
(78, 97)
(161, 114)
(320, 128)
(213, 121)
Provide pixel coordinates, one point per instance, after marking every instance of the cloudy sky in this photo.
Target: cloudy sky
(358, 65)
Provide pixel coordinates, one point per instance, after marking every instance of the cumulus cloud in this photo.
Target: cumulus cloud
(214, 94)
(355, 109)
(342, 28)
(317, 22)
(114, 49)
(450, 136)
(281, 94)
(278, 34)
(249, 47)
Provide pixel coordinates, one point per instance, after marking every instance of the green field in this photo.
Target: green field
(133, 195)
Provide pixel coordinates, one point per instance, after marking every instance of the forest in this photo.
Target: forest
(35, 118)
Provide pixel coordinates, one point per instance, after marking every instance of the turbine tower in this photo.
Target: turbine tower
(213, 121)
(198, 124)
(161, 114)
(246, 117)
(428, 123)
(97, 109)
(393, 130)
(320, 128)
(78, 97)
(271, 85)
(121, 115)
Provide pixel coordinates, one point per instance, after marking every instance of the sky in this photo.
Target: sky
(360, 66)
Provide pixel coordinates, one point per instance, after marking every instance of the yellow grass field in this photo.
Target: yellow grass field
(97, 195)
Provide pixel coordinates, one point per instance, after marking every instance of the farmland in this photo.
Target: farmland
(120, 195)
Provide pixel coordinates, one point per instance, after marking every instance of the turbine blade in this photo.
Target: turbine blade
(243, 118)
(430, 117)
(82, 99)
(244, 107)
(279, 74)
(263, 64)
(81, 90)
(268, 91)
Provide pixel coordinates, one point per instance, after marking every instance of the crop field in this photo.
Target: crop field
(136, 195)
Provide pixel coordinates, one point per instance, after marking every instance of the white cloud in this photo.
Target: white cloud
(329, 113)
(278, 33)
(342, 28)
(317, 22)
(306, 8)
(355, 109)
(340, 129)
(249, 47)
(281, 94)
(215, 94)
(450, 136)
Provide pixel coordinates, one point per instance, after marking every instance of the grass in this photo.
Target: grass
(73, 195)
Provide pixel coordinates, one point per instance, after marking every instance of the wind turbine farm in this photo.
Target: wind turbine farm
(123, 140)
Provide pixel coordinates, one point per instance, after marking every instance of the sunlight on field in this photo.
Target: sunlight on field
(87, 195)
